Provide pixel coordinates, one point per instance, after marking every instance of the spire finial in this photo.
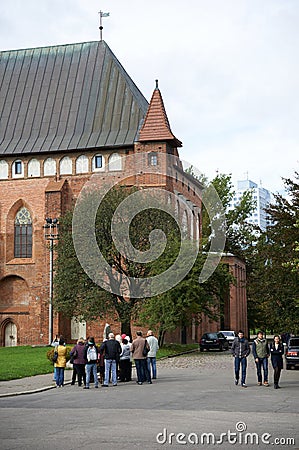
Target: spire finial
(157, 84)
(102, 14)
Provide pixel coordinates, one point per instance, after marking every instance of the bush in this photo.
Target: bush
(50, 354)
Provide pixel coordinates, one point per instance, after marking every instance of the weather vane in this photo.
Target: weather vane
(102, 14)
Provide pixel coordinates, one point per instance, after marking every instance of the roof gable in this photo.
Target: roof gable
(67, 97)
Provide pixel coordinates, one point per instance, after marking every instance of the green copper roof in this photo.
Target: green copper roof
(67, 97)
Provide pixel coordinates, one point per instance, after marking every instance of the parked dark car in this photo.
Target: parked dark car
(213, 341)
(292, 353)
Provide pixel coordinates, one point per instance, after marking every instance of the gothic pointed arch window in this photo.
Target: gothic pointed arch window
(23, 234)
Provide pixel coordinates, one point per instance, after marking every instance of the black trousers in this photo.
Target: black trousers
(79, 370)
(125, 367)
(277, 371)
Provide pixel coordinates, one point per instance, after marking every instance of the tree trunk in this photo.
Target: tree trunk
(126, 329)
(161, 338)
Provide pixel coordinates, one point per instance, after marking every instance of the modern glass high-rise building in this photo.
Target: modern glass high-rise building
(262, 199)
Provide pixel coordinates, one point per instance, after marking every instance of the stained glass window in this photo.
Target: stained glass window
(23, 234)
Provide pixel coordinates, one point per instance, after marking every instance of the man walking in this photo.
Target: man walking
(151, 356)
(111, 350)
(261, 352)
(240, 350)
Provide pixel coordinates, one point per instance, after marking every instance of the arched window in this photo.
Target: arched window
(33, 168)
(115, 162)
(49, 167)
(65, 166)
(23, 234)
(185, 222)
(82, 164)
(3, 169)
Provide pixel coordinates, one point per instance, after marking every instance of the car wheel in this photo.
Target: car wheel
(201, 349)
(288, 367)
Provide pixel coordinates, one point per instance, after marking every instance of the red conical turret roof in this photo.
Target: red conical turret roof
(156, 125)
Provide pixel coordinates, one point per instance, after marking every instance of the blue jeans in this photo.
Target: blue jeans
(262, 363)
(151, 362)
(243, 363)
(110, 363)
(59, 376)
(88, 368)
(143, 373)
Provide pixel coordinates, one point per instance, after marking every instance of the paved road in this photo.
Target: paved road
(193, 395)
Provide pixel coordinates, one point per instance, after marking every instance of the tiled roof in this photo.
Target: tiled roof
(156, 125)
(67, 97)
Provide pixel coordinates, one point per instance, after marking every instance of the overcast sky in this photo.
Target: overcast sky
(228, 70)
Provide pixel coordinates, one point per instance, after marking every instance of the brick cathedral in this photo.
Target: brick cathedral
(66, 113)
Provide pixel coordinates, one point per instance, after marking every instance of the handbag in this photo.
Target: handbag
(55, 357)
(145, 349)
(74, 356)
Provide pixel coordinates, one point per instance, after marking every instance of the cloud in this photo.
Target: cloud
(227, 70)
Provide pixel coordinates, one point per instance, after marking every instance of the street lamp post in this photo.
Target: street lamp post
(51, 235)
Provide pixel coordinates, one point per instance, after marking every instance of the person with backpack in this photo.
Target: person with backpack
(91, 357)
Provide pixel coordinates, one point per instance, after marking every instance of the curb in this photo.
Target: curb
(33, 391)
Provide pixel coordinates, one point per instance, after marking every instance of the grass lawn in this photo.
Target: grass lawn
(20, 362)
(173, 349)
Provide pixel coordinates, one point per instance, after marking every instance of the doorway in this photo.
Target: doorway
(10, 335)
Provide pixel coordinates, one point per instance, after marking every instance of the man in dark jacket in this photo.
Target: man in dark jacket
(111, 350)
(240, 350)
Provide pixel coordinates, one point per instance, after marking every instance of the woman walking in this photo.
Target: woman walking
(276, 352)
(61, 362)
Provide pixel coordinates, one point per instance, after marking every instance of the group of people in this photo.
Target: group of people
(112, 359)
(261, 352)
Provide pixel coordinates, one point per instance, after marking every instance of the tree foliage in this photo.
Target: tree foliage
(76, 294)
(274, 283)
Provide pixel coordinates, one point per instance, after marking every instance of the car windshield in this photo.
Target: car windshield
(294, 342)
(227, 333)
(212, 336)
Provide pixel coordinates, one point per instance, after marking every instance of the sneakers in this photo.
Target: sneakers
(259, 383)
(236, 382)
(105, 385)
(244, 385)
(86, 387)
(266, 383)
(96, 387)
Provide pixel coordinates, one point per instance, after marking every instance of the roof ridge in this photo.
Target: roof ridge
(51, 46)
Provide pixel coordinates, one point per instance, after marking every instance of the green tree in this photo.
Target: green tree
(76, 293)
(274, 284)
